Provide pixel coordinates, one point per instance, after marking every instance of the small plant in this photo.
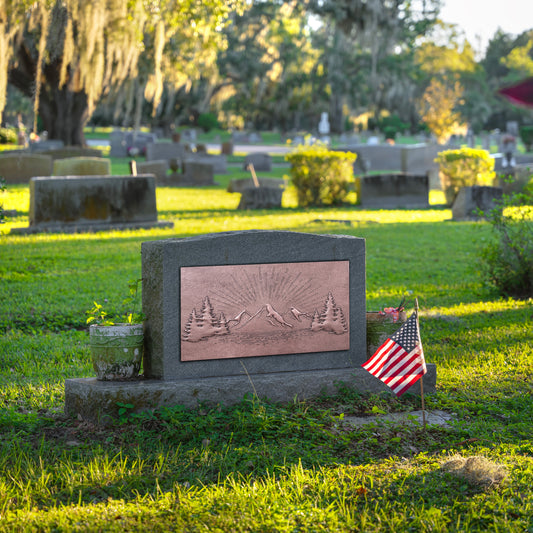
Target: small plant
(321, 176)
(507, 262)
(2, 189)
(98, 315)
(464, 167)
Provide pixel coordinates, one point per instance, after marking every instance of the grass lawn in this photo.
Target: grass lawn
(259, 466)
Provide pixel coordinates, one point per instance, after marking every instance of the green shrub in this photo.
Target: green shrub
(464, 168)
(391, 126)
(526, 134)
(321, 176)
(207, 121)
(2, 189)
(506, 263)
(8, 136)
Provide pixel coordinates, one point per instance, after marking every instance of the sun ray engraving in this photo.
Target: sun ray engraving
(268, 309)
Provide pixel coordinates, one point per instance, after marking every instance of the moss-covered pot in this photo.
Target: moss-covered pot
(116, 351)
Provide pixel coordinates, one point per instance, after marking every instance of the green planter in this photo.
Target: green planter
(116, 351)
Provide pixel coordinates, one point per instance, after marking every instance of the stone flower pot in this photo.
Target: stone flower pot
(116, 350)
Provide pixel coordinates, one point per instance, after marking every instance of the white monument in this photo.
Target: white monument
(323, 126)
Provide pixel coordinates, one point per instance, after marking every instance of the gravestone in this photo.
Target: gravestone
(137, 142)
(82, 166)
(471, 199)
(44, 146)
(19, 168)
(91, 203)
(376, 157)
(226, 148)
(218, 162)
(159, 168)
(392, 191)
(117, 142)
(73, 151)
(198, 173)
(522, 176)
(273, 313)
(261, 161)
(164, 150)
(255, 137)
(239, 185)
(419, 158)
(240, 137)
(261, 198)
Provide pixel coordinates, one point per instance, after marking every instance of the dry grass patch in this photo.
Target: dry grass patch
(477, 470)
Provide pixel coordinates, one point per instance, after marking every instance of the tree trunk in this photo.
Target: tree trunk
(63, 112)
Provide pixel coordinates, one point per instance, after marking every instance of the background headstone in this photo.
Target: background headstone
(261, 198)
(261, 161)
(86, 203)
(391, 191)
(19, 168)
(82, 166)
(471, 199)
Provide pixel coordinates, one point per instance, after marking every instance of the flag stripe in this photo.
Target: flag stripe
(384, 358)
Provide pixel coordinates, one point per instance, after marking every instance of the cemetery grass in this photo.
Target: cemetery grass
(259, 466)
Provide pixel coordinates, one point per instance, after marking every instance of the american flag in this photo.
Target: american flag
(399, 361)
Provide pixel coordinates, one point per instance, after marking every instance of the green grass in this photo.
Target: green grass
(259, 466)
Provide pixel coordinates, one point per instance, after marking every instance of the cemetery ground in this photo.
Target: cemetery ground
(259, 466)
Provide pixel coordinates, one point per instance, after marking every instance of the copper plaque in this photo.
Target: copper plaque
(267, 309)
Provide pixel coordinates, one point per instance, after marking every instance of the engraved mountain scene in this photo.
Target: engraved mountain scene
(251, 310)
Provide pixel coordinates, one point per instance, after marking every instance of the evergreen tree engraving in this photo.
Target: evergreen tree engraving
(208, 314)
(331, 319)
(316, 324)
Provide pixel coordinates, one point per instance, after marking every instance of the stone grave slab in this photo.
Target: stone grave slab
(73, 151)
(239, 185)
(391, 191)
(19, 168)
(66, 204)
(117, 142)
(376, 157)
(138, 141)
(261, 198)
(419, 158)
(44, 146)
(158, 167)
(198, 173)
(260, 160)
(226, 148)
(470, 199)
(218, 162)
(164, 150)
(82, 166)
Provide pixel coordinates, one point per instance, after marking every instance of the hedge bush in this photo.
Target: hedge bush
(464, 167)
(8, 136)
(321, 176)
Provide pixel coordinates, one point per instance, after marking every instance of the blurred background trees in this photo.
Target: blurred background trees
(251, 65)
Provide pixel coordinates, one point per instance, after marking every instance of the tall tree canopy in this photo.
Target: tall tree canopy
(67, 54)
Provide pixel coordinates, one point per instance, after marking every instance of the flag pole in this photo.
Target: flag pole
(422, 378)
